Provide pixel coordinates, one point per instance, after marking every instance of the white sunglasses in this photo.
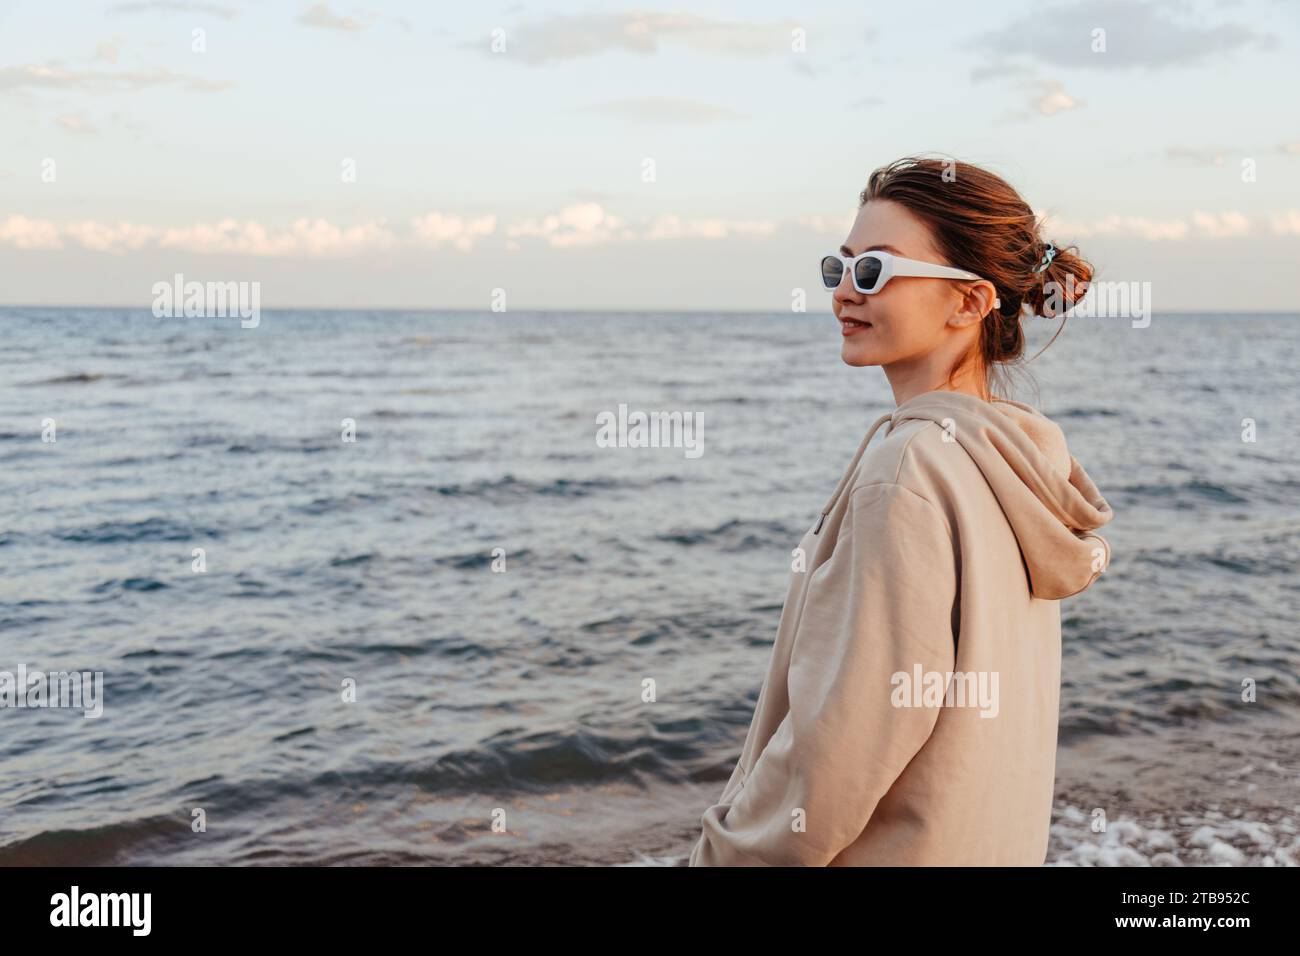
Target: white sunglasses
(872, 270)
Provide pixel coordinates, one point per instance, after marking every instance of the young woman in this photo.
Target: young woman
(909, 711)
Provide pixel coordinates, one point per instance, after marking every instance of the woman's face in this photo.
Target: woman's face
(909, 319)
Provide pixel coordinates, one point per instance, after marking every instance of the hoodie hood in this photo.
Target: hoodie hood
(1049, 500)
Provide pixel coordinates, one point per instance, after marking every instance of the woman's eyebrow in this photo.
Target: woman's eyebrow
(886, 248)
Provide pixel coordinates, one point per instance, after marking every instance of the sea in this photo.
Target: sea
(368, 587)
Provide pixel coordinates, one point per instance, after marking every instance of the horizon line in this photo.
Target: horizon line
(570, 310)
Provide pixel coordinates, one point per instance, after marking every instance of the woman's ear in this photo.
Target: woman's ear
(976, 302)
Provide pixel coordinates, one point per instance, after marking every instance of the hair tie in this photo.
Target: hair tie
(1049, 253)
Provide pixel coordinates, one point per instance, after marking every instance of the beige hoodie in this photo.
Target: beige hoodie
(945, 550)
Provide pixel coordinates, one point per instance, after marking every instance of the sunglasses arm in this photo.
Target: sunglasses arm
(929, 270)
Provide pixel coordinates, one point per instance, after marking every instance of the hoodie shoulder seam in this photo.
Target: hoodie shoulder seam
(920, 497)
(905, 455)
(902, 453)
(902, 458)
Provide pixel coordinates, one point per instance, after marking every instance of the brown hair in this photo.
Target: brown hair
(981, 224)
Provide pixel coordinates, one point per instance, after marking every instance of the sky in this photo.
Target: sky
(653, 156)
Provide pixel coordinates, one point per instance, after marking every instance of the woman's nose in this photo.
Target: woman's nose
(845, 292)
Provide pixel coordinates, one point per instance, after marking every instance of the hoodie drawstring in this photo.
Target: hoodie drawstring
(848, 475)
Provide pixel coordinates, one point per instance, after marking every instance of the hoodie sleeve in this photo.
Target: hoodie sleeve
(881, 605)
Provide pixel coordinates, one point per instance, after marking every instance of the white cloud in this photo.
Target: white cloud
(1222, 226)
(1286, 223)
(305, 238)
(573, 226)
(568, 37)
(109, 237)
(673, 227)
(176, 6)
(75, 124)
(24, 233)
(581, 224)
(585, 224)
(34, 76)
(320, 15)
(1147, 35)
(1052, 99)
(437, 228)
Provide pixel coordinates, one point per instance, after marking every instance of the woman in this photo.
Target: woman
(909, 712)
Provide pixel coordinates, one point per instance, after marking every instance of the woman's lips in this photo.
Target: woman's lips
(853, 326)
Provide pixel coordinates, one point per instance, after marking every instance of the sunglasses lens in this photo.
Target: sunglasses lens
(832, 270)
(867, 272)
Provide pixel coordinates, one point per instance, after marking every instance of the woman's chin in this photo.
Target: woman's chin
(857, 356)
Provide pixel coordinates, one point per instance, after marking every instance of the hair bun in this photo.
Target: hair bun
(1048, 254)
(1061, 280)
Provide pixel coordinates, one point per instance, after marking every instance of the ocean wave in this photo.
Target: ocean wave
(447, 645)
(1176, 693)
(680, 629)
(14, 623)
(1087, 413)
(735, 535)
(473, 560)
(270, 446)
(522, 761)
(146, 529)
(247, 586)
(322, 506)
(1184, 495)
(519, 761)
(136, 460)
(510, 488)
(93, 846)
(351, 561)
(392, 414)
(78, 378)
(1257, 562)
(129, 584)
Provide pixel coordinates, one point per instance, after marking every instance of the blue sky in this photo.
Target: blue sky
(127, 155)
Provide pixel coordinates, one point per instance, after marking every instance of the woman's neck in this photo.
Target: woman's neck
(912, 379)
